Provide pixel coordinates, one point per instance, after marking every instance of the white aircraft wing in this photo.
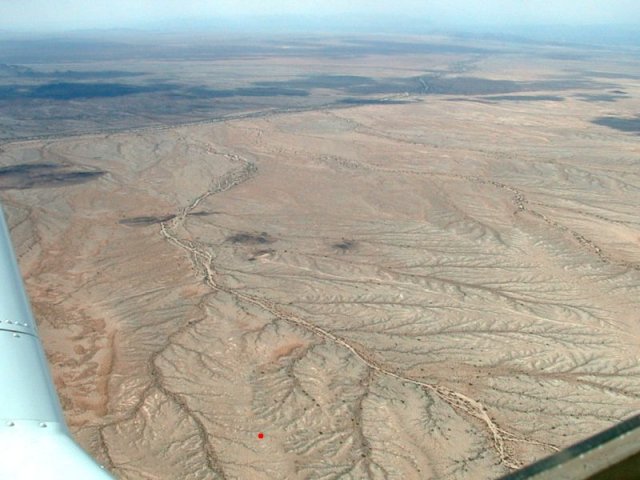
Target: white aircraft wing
(35, 443)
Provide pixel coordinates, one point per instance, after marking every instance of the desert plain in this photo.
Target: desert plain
(393, 259)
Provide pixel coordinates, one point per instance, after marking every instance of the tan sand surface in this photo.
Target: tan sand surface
(441, 289)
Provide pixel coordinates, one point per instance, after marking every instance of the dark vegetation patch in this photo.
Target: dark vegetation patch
(155, 219)
(465, 85)
(371, 101)
(345, 245)
(74, 90)
(268, 251)
(269, 92)
(245, 238)
(202, 213)
(426, 84)
(525, 98)
(258, 91)
(21, 71)
(485, 86)
(623, 124)
(321, 81)
(344, 83)
(80, 90)
(146, 220)
(70, 90)
(41, 175)
(602, 97)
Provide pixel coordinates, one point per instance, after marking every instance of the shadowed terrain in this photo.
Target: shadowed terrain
(624, 124)
(38, 175)
(81, 84)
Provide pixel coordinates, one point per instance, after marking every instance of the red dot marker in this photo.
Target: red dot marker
(261, 435)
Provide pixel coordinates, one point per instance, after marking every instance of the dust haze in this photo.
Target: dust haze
(403, 257)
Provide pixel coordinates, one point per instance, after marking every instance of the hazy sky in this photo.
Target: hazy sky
(82, 14)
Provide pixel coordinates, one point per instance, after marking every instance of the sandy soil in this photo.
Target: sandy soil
(442, 289)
